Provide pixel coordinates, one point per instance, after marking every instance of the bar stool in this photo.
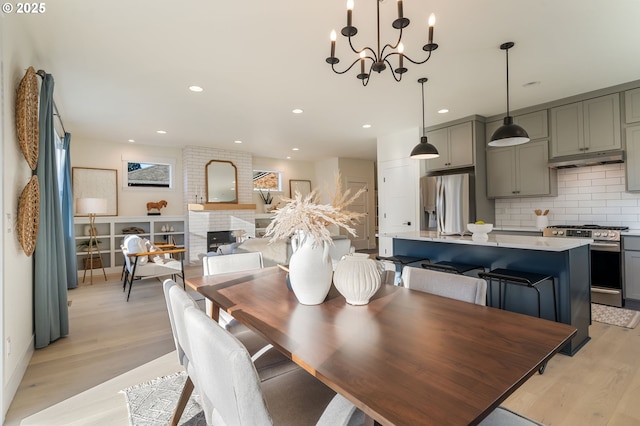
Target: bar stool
(400, 262)
(522, 278)
(452, 267)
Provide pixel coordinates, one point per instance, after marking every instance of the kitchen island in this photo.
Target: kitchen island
(567, 259)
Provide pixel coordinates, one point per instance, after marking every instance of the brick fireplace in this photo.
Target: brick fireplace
(201, 222)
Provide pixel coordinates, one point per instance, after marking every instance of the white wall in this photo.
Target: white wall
(17, 296)
(586, 195)
(133, 201)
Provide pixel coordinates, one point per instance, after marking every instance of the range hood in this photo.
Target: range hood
(583, 160)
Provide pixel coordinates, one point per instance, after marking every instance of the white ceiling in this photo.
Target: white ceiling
(122, 68)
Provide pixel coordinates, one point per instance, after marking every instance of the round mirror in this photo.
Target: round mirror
(221, 177)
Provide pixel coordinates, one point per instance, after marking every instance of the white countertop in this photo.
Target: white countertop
(497, 240)
(631, 233)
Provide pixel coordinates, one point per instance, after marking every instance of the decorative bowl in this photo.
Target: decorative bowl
(480, 231)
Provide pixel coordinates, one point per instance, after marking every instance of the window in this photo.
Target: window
(148, 174)
(265, 180)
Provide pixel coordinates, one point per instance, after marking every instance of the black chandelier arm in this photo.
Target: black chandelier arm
(418, 62)
(394, 46)
(356, 51)
(397, 77)
(333, 67)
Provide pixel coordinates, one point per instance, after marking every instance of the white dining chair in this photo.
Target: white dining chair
(232, 393)
(220, 264)
(453, 286)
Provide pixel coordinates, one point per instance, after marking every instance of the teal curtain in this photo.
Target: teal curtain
(51, 315)
(67, 213)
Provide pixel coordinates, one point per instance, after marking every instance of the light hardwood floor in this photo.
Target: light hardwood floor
(600, 385)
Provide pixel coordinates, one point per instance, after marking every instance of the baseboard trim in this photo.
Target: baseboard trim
(11, 386)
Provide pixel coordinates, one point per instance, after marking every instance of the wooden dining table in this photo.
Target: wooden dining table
(407, 357)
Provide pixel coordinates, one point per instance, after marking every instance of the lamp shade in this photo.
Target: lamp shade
(424, 150)
(91, 205)
(509, 134)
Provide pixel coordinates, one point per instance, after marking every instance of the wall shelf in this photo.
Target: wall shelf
(220, 206)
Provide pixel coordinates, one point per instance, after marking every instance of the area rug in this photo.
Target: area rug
(152, 403)
(615, 316)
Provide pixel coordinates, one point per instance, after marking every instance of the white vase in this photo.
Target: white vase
(310, 269)
(357, 277)
(267, 208)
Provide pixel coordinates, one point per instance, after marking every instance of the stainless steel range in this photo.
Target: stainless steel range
(606, 258)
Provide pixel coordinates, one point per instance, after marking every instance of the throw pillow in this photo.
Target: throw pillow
(135, 244)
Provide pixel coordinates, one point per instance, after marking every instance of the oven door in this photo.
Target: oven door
(606, 273)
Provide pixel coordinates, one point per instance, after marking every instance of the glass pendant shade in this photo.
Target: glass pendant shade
(424, 150)
(509, 134)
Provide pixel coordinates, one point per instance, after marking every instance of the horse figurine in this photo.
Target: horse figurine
(157, 206)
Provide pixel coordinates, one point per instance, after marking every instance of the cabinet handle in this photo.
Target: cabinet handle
(407, 223)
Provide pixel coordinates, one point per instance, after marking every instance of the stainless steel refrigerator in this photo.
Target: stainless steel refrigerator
(448, 202)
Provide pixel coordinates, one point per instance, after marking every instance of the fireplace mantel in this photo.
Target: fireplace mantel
(220, 206)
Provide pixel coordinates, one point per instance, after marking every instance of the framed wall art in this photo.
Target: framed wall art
(96, 183)
(301, 186)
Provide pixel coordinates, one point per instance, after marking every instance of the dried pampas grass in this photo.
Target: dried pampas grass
(306, 214)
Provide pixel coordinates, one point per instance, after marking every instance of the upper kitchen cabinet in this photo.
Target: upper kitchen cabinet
(632, 106)
(455, 145)
(584, 127)
(633, 158)
(520, 171)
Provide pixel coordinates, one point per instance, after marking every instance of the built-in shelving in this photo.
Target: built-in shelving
(112, 230)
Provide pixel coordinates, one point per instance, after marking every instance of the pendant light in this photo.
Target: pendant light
(508, 134)
(424, 150)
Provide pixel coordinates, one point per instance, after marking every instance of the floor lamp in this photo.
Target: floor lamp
(92, 207)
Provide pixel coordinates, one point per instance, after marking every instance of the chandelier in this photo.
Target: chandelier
(379, 58)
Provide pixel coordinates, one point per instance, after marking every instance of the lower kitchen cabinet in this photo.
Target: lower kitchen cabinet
(520, 171)
(631, 247)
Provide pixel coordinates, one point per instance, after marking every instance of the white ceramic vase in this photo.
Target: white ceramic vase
(310, 269)
(357, 277)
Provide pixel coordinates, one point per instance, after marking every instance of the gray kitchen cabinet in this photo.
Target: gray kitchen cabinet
(588, 126)
(632, 106)
(520, 171)
(633, 158)
(631, 250)
(454, 144)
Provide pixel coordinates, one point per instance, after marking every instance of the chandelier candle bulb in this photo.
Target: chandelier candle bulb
(400, 9)
(362, 56)
(349, 12)
(401, 51)
(432, 22)
(333, 43)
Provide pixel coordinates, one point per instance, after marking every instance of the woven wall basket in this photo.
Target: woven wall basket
(27, 117)
(29, 216)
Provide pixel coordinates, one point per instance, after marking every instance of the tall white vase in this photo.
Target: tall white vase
(357, 278)
(310, 270)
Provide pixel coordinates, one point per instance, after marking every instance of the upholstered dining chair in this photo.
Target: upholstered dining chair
(235, 262)
(232, 393)
(502, 416)
(269, 363)
(453, 286)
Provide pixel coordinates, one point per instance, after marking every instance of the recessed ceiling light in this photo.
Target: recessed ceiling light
(237, 141)
(161, 132)
(196, 88)
(531, 83)
(297, 111)
(131, 140)
(366, 126)
(295, 149)
(443, 111)
(288, 157)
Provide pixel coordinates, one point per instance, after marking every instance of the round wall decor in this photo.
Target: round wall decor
(29, 216)
(27, 117)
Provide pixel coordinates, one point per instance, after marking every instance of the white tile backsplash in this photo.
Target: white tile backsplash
(586, 195)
